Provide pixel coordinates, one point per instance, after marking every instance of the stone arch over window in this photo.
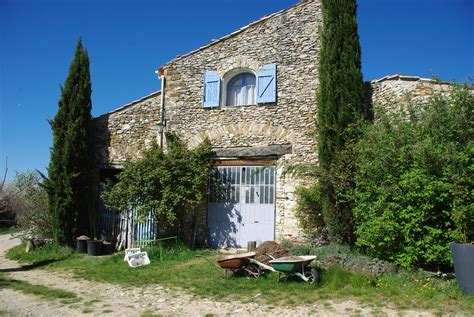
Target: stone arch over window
(238, 87)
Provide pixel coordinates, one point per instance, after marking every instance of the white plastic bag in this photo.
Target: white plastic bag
(130, 252)
(138, 259)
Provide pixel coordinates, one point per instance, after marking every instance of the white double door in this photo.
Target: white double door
(241, 207)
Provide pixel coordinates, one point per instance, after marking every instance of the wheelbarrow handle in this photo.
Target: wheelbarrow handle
(270, 256)
(205, 258)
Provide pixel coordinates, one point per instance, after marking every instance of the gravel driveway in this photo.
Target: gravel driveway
(99, 299)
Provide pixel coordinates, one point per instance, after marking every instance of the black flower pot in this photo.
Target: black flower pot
(81, 244)
(106, 247)
(94, 247)
(463, 256)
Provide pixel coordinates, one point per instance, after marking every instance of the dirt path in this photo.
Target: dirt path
(100, 299)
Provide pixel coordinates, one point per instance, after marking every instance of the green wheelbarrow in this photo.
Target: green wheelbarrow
(296, 266)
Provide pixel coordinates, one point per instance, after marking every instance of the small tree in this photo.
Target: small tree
(31, 206)
(7, 197)
(340, 105)
(70, 173)
(11, 194)
(172, 184)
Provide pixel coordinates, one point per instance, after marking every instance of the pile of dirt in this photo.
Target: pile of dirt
(269, 250)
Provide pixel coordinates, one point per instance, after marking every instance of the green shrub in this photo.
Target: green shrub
(31, 206)
(325, 206)
(172, 183)
(322, 252)
(309, 210)
(414, 180)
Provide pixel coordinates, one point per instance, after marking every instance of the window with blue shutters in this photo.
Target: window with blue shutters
(241, 87)
(212, 89)
(241, 90)
(266, 84)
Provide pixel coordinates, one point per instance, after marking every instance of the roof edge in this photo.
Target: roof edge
(411, 78)
(153, 94)
(236, 32)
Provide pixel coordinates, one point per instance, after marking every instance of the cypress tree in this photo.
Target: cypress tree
(340, 104)
(70, 172)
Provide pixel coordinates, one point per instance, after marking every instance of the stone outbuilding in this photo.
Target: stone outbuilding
(252, 93)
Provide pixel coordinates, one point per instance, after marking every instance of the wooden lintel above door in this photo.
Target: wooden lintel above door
(244, 162)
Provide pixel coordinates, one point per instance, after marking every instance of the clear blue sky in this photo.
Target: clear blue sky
(128, 40)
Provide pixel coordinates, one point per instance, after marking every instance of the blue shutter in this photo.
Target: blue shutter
(212, 89)
(266, 84)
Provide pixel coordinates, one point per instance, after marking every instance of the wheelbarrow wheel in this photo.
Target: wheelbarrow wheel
(312, 275)
(253, 270)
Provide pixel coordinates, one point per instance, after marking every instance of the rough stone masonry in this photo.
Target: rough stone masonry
(289, 39)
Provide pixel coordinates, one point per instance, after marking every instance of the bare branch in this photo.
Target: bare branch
(4, 175)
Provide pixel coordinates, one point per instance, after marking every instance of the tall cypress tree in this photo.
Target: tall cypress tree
(70, 173)
(340, 104)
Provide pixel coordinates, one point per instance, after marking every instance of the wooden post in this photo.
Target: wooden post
(251, 245)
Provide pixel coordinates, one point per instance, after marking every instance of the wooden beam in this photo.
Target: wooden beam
(244, 162)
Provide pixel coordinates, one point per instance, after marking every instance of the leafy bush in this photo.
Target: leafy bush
(309, 210)
(343, 256)
(7, 194)
(31, 206)
(414, 180)
(325, 206)
(172, 183)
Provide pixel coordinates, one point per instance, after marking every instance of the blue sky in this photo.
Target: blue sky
(128, 40)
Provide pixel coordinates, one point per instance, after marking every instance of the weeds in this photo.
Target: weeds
(46, 254)
(7, 230)
(182, 268)
(38, 290)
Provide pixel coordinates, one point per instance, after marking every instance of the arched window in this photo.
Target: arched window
(241, 90)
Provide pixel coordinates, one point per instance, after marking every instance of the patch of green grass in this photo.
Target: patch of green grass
(44, 255)
(93, 301)
(6, 230)
(192, 270)
(38, 290)
(87, 310)
(149, 313)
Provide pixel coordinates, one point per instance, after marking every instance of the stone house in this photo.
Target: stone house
(252, 93)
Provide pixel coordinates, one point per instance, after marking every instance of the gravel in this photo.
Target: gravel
(106, 299)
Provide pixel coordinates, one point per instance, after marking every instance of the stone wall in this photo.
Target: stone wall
(290, 40)
(393, 91)
(123, 133)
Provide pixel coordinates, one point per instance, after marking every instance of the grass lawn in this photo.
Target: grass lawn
(191, 270)
(38, 290)
(5, 230)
